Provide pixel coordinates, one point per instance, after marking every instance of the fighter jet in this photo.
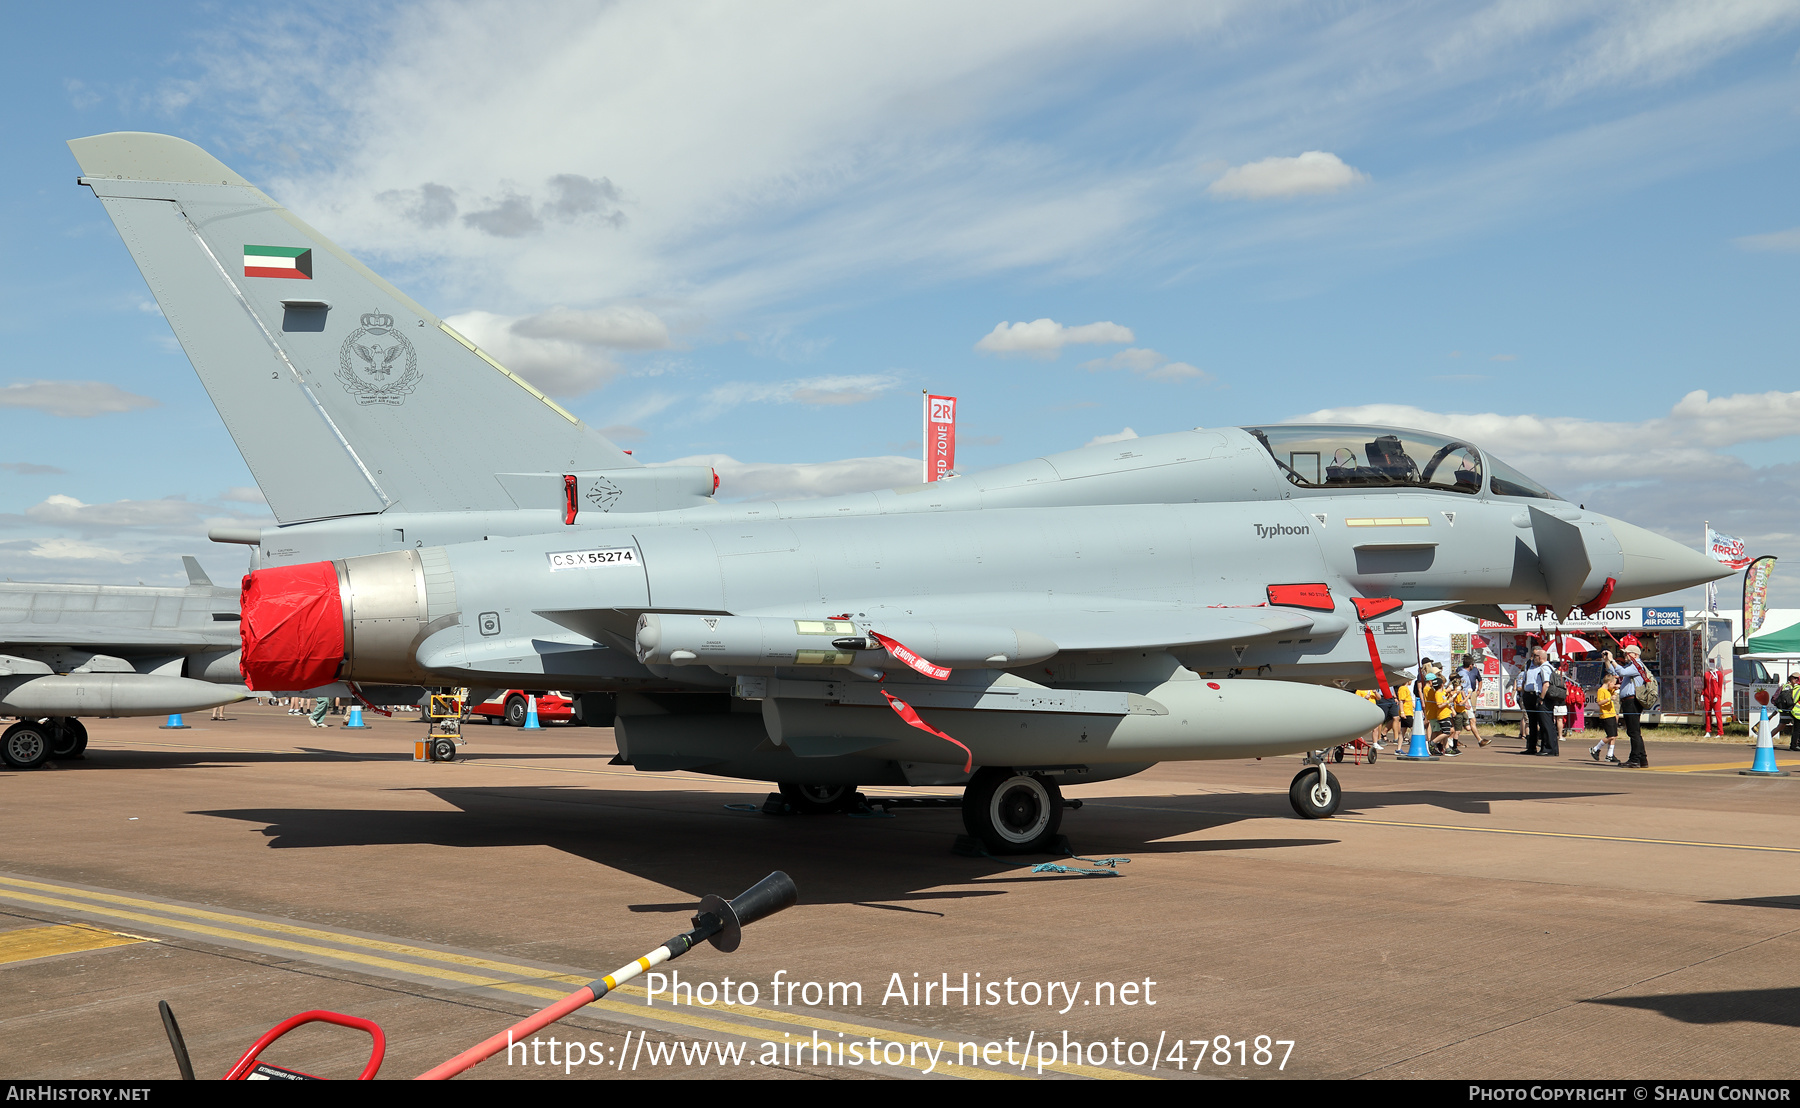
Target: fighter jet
(1074, 618)
(110, 650)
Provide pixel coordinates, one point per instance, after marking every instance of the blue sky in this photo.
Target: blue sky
(1545, 226)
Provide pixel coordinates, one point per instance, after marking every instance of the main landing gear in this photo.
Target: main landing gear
(819, 800)
(1006, 811)
(30, 743)
(1010, 812)
(26, 744)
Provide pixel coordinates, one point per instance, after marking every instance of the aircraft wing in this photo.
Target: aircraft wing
(1101, 623)
(93, 636)
(944, 626)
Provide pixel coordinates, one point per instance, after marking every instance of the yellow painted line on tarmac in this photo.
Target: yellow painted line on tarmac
(26, 943)
(13, 888)
(1567, 835)
(1783, 763)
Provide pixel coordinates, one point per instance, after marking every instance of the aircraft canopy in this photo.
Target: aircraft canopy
(1316, 455)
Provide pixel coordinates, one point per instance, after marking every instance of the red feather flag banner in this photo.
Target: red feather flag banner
(899, 650)
(905, 711)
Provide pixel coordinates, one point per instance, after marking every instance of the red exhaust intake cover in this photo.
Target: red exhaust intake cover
(292, 627)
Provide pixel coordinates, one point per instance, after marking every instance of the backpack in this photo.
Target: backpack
(1557, 692)
(1784, 699)
(1648, 695)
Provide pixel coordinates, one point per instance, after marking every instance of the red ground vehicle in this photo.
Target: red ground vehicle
(509, 706)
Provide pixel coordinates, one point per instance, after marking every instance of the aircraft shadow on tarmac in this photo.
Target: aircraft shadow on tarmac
(1763, 902)
(1780, 1007)
(689, 840)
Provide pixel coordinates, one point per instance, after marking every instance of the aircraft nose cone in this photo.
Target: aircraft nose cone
(1655, 565)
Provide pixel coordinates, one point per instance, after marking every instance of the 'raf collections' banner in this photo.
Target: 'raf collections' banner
(1616, 619)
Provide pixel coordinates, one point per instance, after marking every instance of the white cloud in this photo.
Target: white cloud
(82, 551)
(1045, 338)
(243, 494)
(1148, 363)
(621, 326)
(558, 366)
(1686, 442)
(805, 480)
(832, 391)
(1310, 174)
(1787, 241)
(1645, 42)
(79, 399)
(31, 469)
(66, 511)
(745, 186)
(1122, 436)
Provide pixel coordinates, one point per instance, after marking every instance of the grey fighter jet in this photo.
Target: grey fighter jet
(1074, 618)
(68, 651)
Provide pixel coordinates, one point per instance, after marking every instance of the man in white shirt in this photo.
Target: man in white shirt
(1534, 684)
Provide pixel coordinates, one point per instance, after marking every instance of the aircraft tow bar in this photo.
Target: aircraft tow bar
(718, 921)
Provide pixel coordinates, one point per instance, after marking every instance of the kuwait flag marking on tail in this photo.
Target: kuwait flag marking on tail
(278, 261)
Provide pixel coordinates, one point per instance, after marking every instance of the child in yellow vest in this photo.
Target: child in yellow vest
(1607, 697)
(1439, 712)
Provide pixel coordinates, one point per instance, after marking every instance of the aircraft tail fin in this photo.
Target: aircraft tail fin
(196, 575)
(343, 395)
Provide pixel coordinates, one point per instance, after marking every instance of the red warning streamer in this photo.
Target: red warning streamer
(899, 650)
(1375, 660)
(358, 693)
(905, 711)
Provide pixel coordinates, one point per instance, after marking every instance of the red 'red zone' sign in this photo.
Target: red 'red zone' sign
(940, 436)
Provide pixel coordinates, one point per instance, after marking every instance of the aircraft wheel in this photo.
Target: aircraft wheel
(1011, 812)
(1337, 753)
(443, 750)
(69, 739)
(25, 745)
(1310, 799)
(818, 800)
(1371, 754)
(515, 711)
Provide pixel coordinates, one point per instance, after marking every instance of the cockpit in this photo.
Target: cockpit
(1332, 456)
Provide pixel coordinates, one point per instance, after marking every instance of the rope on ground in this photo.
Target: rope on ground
(1097, 867)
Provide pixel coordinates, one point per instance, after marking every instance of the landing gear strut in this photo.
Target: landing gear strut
(68, 737)
(1010, 812)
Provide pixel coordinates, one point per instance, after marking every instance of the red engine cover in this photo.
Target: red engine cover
(292, 627)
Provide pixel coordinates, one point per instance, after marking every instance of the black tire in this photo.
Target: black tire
(515, 712)
(1337, 753)
(1304, 794)
(818, 800)
(1372, 755)
(68, 736)
(443, 750)
(26, 745)
(1010, 812)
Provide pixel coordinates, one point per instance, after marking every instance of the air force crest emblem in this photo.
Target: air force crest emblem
(377, 364)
